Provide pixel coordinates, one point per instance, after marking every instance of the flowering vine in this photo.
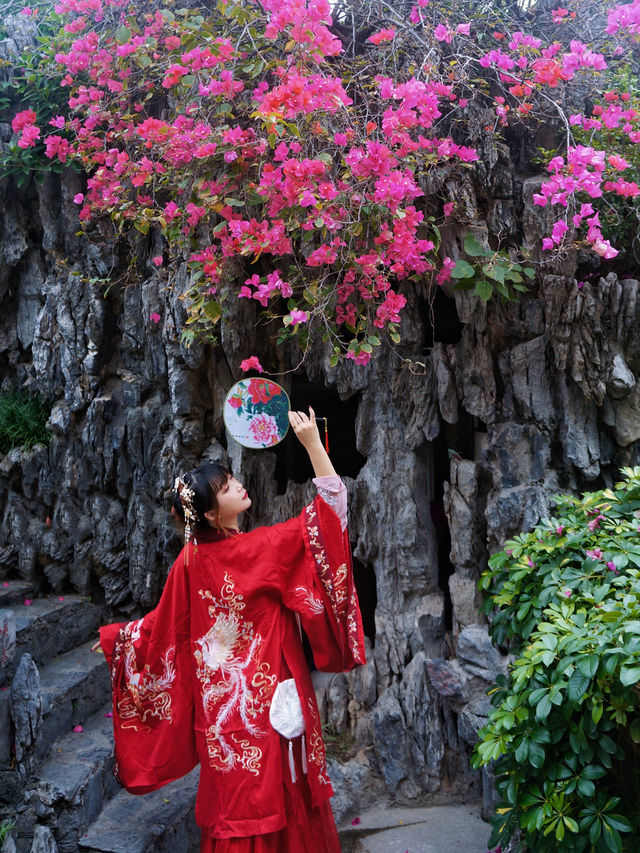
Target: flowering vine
(290, 175)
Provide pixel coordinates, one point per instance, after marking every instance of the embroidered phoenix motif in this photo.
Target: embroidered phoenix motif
(233, 682)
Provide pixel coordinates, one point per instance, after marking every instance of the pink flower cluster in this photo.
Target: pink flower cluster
(265, 288)
(306, 23)
(300, 93)
(583, 171)
(282, 162)
(24, 123)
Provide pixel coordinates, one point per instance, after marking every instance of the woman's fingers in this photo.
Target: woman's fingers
(304, 425)
(298, 418)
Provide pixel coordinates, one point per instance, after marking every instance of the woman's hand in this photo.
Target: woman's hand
(305, 428)
(96, 647)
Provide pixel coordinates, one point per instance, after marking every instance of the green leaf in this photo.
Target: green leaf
(543, 708)
(595, 832)
(462, 269)
(536, 754)
(522, 751)
(472, 247)
(593, 771)
(213, 311)
(123, 35)
(494, 271)
(629, 675)
(589, 666)
(618, 821)
(578, 684)
(484, 289)
(570, 823)
(634, 730)
(586, 787)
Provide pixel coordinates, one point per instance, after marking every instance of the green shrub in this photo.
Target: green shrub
(31, 84)
(566, 726)
(22, 421)
(5, 828)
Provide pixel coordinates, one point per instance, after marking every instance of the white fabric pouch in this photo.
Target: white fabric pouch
(286, 717)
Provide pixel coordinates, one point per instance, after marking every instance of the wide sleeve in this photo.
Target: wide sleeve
(151, 674)
(333, 492)
(315, 575)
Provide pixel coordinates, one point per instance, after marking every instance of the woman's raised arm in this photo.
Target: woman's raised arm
(306, 430)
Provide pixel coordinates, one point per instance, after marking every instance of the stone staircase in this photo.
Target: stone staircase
(56, 743)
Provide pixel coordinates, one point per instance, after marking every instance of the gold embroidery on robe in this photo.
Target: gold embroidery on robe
(225, 656)
(147, 694)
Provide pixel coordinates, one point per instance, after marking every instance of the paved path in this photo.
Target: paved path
(434, 829)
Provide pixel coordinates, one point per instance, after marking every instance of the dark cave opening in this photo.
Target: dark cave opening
(440, 475)
(365, 581)
(441, 321)
(292, 462)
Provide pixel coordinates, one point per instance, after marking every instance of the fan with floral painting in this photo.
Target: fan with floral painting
(256, 413)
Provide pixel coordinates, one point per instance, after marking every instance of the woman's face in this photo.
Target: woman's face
(232, 500)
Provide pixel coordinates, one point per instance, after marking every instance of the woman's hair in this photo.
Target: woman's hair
(205, 482)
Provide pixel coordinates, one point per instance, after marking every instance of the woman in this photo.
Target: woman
(194, 680)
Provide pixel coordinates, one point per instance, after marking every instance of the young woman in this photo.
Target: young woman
(195, 679)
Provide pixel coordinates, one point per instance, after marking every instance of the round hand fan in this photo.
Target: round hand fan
(256, 413)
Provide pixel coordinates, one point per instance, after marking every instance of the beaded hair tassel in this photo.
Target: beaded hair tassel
(186, 499)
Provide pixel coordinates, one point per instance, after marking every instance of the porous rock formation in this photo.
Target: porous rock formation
(502, 406)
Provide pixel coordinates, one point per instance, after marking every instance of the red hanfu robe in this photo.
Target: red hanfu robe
(193, 680)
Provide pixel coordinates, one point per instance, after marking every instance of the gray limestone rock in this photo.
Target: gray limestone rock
(517, 454)
(461, 507)
(7, 642)
(466, 599)
(353, 785)
(429, 623)
(516, 510)
(449, 680)
(26, 711)
(531, 381)
(621, 380)
(581, 439)
(6, 730)
(627, 417)
(43, 841)
(444, 367)
(477, 655)
(472, 718)
(389, 738)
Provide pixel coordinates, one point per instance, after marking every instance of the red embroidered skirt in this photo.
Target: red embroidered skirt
(308, 829)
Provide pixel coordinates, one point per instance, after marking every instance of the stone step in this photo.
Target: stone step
(160, 822)
(14, 592)
(51, 626)
(74, 686)
(76, 779)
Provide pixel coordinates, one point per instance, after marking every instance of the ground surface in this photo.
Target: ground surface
(435, 829)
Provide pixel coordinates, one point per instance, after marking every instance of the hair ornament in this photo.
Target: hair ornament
(186, 499)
